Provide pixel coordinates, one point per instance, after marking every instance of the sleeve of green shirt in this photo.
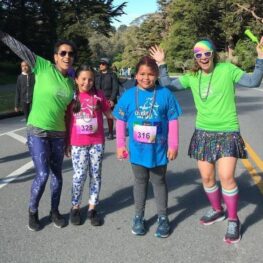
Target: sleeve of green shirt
(236, 72)
(184, 81)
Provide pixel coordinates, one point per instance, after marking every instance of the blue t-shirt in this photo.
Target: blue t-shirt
(150, 107)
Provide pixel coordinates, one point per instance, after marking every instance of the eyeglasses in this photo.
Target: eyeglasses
(103, 63)
(207, 54)
(64, 53)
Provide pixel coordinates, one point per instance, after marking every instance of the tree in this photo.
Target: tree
(32, 22)
(39, 24)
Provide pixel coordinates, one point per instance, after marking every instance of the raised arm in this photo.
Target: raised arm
(254, 79)
(157, 53)
(18, 48)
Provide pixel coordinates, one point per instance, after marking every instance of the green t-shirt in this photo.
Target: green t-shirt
(52, 94)
(216, 107)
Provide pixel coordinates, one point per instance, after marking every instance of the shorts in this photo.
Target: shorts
(210, 146)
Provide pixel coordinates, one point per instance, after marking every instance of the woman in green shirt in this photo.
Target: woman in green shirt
(216, 139)
(46, 131)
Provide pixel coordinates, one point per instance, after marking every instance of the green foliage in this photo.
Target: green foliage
(246, 53)
(39, 24)
(176, 26)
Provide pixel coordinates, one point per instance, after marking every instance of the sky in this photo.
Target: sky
(134, 9)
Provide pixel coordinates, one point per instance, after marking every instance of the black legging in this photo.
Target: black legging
(26, 109)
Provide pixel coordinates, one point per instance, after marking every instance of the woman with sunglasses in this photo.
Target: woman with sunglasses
(46, 131)
(216, 139)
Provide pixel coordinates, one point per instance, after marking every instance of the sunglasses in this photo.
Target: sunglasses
(103, 63)
(64, 53)
(207, 54)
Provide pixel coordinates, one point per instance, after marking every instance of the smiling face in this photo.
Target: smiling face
(64, 58)
(205, 62)
(85, 80)
(146, 77)
(204, 55)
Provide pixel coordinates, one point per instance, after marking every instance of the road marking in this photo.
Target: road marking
(259, 89)
(17, 137)
(253, 173)
(20, 129)
(11, 177)
(254, 156)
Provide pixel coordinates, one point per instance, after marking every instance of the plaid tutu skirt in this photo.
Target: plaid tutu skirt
(210, 146)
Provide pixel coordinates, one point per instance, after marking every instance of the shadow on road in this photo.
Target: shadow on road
(15, 157)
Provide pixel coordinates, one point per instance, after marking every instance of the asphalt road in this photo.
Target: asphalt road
(113, 242)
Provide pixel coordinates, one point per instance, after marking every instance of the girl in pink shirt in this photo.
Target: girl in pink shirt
(86, 142)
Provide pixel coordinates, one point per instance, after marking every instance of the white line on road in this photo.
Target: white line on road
(17, 137)
(259, 89)
(11, 177)
(20, 129)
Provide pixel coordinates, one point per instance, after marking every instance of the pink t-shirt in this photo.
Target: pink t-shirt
(86, 126)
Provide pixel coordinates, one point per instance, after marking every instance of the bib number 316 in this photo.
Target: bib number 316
(143, 133)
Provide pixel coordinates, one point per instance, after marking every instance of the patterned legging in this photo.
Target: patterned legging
(47, 154)
(86, 160)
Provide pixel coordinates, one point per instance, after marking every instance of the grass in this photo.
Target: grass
(8, 75)
(7, 101)
(7, 79)
(8, 72)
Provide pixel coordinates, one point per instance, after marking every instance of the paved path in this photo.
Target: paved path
(113, 242)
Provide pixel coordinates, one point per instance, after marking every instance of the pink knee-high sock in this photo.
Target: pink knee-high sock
(231, 200)
(214, 196)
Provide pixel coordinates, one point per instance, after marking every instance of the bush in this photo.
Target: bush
(246, 52)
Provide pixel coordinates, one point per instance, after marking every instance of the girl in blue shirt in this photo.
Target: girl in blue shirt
(151, 113)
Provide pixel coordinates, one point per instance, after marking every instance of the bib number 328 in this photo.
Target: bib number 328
(84, 127)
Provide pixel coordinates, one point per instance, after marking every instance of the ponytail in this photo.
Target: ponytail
(76, 103)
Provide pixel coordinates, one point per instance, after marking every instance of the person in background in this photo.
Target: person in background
(24, 89)
(107, 81)
(46, 128)
(216, 142)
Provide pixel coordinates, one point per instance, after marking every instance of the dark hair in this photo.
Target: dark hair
(65, 42)
(196, 67)
(147, 61)
(76, 103)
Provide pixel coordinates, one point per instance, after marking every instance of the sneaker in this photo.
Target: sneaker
(212, 216)
(75, 216)
(33, 223)
(95, 220)
(233, 233)
(110, 136)
(58, 220)
(138, 227)
(163, 228)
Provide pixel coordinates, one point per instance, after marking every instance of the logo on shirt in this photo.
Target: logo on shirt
(87, 110)
(147, 110)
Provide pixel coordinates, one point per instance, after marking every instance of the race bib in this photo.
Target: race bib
(86, 127)
(144, 133)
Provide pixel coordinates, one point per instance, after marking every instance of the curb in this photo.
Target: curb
(10, 115)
